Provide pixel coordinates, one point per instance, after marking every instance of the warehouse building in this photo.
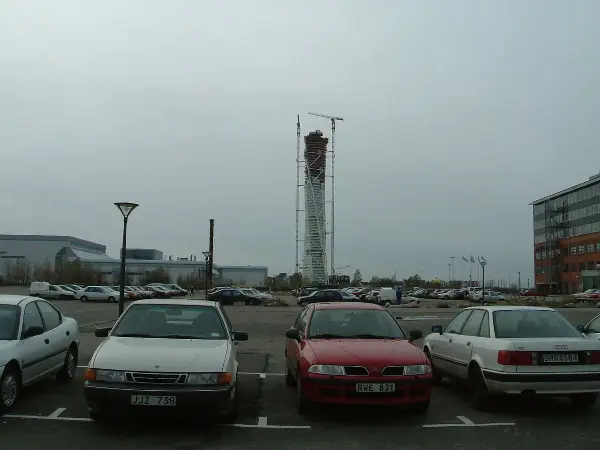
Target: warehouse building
(566, 233)
(37, 250)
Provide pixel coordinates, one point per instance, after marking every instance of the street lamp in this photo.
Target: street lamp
(483, 262)
(206, 256)
(126, 208)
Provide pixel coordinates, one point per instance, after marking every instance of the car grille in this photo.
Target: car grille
(356, 370)
(391, 371)
(155, 378)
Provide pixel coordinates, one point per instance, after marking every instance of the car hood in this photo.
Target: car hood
(161, 355)
(376, 352)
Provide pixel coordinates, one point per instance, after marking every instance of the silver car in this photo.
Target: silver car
(177, 357)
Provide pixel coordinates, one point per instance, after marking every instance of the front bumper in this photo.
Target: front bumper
(543, 383)
(342, 390)
(115, 399)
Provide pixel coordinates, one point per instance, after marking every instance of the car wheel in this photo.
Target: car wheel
(388, 304)
(419, 408)
(111, 300)
(290, 381)
(437, 378)
(583, 401)
(67, 372)
(10, 387)
(61, 297)
(480, 396)
(303, 405)
(83, 298)
(232, 415)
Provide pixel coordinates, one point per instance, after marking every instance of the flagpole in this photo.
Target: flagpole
(462, 270)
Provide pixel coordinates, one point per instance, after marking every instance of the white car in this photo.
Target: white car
(592, 329)
(263, 295)
(516, 350)
(173, 356)
(36, 342)
(46, 290)
(98, 294)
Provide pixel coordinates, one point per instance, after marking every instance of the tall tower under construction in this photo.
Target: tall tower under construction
(315, 159)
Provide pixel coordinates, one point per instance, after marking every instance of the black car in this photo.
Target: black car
(327, 295)
(230, 296)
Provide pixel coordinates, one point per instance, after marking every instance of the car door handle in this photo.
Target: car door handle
(47, 341)
(68, 333)
(468, 343)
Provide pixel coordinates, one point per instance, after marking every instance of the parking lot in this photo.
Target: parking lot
(53, 415)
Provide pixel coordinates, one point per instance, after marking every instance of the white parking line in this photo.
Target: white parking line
(57, 413)
(466, 422)
(262, 421)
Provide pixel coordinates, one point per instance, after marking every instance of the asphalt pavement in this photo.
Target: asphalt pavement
(53, 415)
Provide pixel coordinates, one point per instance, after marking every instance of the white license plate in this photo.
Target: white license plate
(153, 400)
(560, 358)
(375, 387)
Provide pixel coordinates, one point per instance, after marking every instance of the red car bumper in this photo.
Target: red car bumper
(343, 390)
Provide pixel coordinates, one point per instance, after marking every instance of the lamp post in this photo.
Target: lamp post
(483, 262)
(206, 257)
(126, 208)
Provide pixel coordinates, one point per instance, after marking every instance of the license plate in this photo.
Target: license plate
(375, 387)
(153, 400)
(560, 358)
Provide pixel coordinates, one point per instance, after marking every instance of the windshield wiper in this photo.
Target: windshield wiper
(140, 335)
(371, 336)
(327, 336)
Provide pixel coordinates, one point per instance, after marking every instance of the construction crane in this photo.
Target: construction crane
(333, 119)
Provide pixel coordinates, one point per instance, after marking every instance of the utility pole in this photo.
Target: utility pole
(333, 119)
(519, 273)
(211, 248)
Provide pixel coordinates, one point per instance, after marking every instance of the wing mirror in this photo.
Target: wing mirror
(102, 332)
(580, 328)
(292, 333)
(240, 336)
(436, 329)
(33, 331)
(415, 335)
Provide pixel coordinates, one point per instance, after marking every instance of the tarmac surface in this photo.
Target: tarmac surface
(52, 415)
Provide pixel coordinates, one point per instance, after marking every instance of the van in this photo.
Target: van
(48, 291)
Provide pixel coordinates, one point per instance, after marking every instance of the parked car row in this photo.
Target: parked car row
(230, 295)
(110, 294)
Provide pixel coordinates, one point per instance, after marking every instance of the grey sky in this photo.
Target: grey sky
(457, 115)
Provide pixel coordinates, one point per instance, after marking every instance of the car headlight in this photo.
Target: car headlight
(327, 369)
(420, 369)
(110, 376)
(209, 379)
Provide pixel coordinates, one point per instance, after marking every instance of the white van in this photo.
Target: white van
(48, 291)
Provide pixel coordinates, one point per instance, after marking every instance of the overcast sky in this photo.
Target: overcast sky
(456, 116)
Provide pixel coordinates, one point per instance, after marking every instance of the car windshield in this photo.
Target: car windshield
(528, 323)
(354, 324)
(171, 321)
(9, 322)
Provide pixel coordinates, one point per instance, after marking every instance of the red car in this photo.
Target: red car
(351, 353)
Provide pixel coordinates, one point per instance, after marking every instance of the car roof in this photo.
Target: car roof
(512, 308)
(346, 305)
(173, 302)
(8, 299)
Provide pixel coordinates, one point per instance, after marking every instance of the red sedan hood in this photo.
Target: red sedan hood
(374, 352)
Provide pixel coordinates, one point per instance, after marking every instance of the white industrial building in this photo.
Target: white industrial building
(36, 250)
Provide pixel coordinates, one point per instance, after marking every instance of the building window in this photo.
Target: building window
(573, 250)
(538, 270)
(580, 250)
(581, 266)
(590, 248)
(537, 255)
(590, 265)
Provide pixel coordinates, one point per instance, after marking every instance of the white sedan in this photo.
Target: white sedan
(166, 356)
(99, 294)
(516, 350)
(36, 342)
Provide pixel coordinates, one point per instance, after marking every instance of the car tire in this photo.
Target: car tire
(83, 298)
(480, 396)
(69, 368)
(9, 381)
(232, 415)
(583, 401)
(303, 405)
(419, 408)
(290, 381)
(437, 378)
(111, 300)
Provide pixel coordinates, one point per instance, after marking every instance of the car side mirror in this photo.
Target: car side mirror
(102, 332)
(436, 329)
(293, 333)
(415, 335)
(580, 328)
(240, 336)
(32, 331)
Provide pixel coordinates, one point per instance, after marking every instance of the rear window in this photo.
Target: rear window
(529, 323)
